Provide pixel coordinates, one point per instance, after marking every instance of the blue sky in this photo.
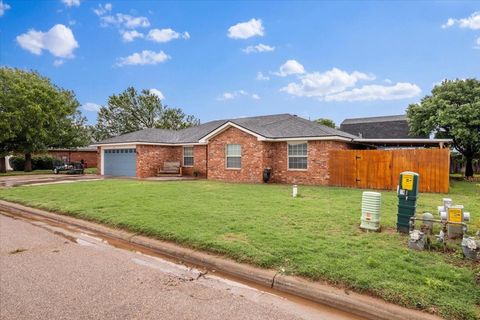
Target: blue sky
(232, 59)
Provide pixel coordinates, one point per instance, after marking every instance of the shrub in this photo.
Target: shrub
(42, 162)
(17, 163)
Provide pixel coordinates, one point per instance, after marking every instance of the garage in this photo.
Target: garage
(120, 162)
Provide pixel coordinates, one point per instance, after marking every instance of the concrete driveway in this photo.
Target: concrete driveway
(19, 180)
(53, 272)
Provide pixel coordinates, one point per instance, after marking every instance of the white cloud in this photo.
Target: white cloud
(143, 58)
(71, 3)
(262, 77)
(3, 7)
(259, 48)
(59, 41)
(101, 10)
(158, 93)
(226, 96)
(236, 94)
(90, 106)
(165, 35)
(401, 90)
(290, 67)
(245, 30)
(472, 22)
(129, 36)
(125, 20)
(450, 22)
(58, 62)
(320, 84)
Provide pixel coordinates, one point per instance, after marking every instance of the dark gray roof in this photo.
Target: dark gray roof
(276, 126)
(400, 117)
(287, 126)
(385, 127)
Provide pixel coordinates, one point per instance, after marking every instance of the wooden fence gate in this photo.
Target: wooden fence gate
(380, 169)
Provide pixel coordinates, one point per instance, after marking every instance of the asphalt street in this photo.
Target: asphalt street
(49, 272)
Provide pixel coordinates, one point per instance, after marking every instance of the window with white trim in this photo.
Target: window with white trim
(234, 156)
(297, 156)
(187, 156)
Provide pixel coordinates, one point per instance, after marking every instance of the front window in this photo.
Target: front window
(297, 156)
(234, 156)
(187, 156)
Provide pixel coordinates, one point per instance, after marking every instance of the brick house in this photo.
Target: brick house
(87, 154)
(295, 149)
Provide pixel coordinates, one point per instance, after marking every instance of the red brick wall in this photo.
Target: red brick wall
(99, 160)
(210, 160)
(317, 168)
(253, 161)
(90, 157)
(199, 162)
(258, 155)
(150, 158)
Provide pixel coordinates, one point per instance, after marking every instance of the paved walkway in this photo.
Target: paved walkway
(47, 272)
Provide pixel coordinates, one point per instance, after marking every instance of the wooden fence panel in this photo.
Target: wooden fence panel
(340, 168)
(380, 169)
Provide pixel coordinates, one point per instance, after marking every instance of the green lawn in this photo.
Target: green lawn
(21, 173)
(315, 235)
(90, 170)
(47, 171)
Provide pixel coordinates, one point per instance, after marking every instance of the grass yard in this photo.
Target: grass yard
(22, 173)
(90, 170)
(315, 235)
(47, 171)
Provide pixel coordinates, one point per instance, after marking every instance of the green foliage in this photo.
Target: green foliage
(36, 115)
(41, 162)
(326, 122)
(132, 111)
(17, 163)
(316, 236)
(451, 111)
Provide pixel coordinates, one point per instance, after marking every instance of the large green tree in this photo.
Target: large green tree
(326, 122)
(132, 111)
(451, 111)
(36, 115)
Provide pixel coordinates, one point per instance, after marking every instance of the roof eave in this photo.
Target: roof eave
(411, 141)
(111, 144)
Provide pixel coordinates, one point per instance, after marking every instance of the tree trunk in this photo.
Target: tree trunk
(469, 168)
(3, 165)
(28, 162)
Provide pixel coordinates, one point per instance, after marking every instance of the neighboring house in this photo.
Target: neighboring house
(87, 154)
(384, 131)
(297, 150)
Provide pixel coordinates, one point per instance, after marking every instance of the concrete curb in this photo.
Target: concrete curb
(361, 305)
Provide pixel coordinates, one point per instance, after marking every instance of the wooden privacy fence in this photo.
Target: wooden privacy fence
(380, 169)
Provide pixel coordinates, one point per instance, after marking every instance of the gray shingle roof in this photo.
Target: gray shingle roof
(272, 126)
(400, 117)
(287, 126)
(385, 127)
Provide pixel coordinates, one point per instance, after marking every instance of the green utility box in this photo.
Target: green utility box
(407, 193)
